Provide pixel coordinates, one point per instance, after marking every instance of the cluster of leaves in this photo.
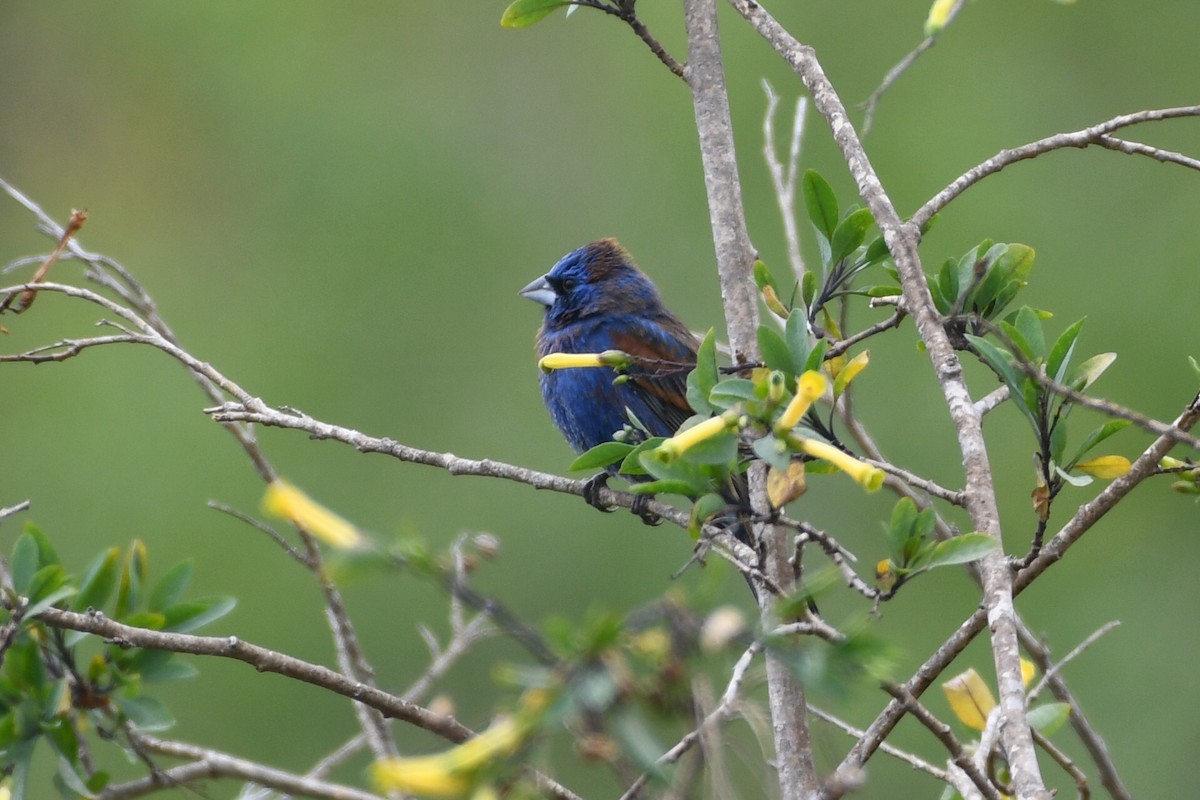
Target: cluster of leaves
(975, 288)
(55, 685)
(914, 550)
(840, 241)
(1027, 364)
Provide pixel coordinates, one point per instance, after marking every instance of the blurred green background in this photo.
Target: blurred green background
(335, 204)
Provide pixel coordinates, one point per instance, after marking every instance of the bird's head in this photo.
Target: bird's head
(598, 278)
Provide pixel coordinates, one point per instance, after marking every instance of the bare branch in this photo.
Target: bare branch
(207, 763)
(980, 500)
(902, 66)
(1092, 740)
(724, 709)
(263, 660)
(946, 736)
(1094, 135)
(783, 176)
(17, 509)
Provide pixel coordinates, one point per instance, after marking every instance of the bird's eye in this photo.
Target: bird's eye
(569, 284)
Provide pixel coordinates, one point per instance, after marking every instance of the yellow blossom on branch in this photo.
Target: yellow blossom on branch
(809, 387)
(609, 358)
(285, 500)
(685, 440)
(867, 476)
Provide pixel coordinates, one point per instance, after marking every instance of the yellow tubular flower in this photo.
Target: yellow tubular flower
(286, 501)
(870, 478)
(681, 442)
(609, 358)
(809, 387)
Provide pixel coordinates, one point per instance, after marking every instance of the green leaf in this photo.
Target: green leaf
(763, 277)
(171, 587)
(821, 203)
(679, 472)
(71, 778)
(99, 580)
(904, 514)
(1001, 361)
(46, 554)
(816, 356)
(145, 713)
(705, 508)
(197, 613)
(55, 596)
(1074, 480)
(960, 550)
(1031, 329)
(775, 352)
(24, 563)
(1049, 717)
(850, 234)
(1096, 437)
(597, 457)
(732, 391)
(808, 288)
(169, 670)
(702, 379)
(773, 451)
(1060, 354)
(877, 250)
(1089, 371)
(668, 486)
(524, 13)
(796, 334)
(631, 465)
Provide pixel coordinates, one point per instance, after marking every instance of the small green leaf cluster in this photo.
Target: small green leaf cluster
(1023, 357)
(976, 287)
(840, 240)
(56, 684)
(914, 549)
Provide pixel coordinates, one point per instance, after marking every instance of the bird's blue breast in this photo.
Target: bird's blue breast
(583, 402)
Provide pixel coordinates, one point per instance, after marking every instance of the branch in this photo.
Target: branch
(735, 259)
(1087, 516)
(263, 660)
(1094, 135)
(942, 732)
(1092, 740)
(783, 176)
(979, 493)
(207, 763)
(724, 709)
(902, 66)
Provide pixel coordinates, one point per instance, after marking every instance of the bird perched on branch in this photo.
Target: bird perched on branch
(597, 299)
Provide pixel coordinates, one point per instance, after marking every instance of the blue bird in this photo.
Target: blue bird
(597, 299)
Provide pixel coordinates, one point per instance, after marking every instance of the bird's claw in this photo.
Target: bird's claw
(591, 492)
(639, 507)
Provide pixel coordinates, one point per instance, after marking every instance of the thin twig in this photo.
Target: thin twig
(725, 708)
(208, 763)
(1093, 135)
(783, 176)
(893, 75)
(945, 735)
(17, 509)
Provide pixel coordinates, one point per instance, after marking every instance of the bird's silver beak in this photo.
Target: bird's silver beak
(539, 291)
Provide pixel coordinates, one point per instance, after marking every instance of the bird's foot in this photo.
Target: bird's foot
(591, 492)
(639, 507)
